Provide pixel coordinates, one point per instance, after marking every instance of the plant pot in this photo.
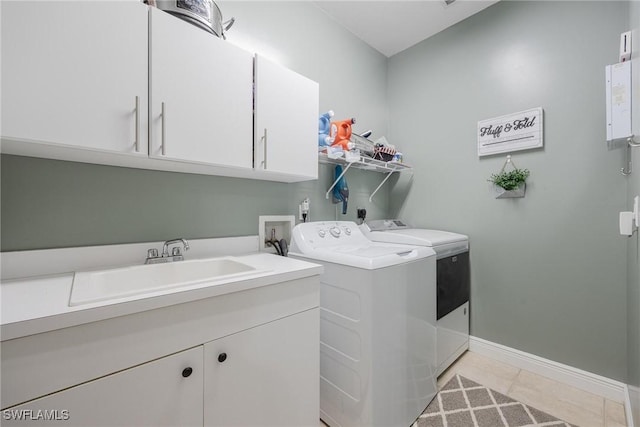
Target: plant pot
(511, 194)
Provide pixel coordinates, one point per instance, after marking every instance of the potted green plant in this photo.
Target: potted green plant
(511, 184)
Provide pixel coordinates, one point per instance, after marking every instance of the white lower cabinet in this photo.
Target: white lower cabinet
(164, 392)
(264, 376)
(267, 375)
(248, 357)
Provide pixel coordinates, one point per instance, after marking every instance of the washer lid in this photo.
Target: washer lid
(369, 257)
(415, 236)
(342, 242)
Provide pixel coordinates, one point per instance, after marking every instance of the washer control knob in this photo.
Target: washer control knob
(335, 231)
(321, 233)
(347, 231)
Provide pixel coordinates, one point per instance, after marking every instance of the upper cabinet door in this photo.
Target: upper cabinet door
(286, 121)
(201, 95)
(73, 73)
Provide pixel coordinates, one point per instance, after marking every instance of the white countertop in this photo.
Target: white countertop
(40, 304)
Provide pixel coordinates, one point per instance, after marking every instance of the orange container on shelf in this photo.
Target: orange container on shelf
(341, 133)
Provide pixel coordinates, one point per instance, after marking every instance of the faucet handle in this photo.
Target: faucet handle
(176, 251)
(152, 253)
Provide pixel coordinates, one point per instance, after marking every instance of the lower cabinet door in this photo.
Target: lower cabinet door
(265, 376)
(164, 392)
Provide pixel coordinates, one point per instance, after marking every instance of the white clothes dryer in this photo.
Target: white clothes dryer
(377, 325)
(453, 280)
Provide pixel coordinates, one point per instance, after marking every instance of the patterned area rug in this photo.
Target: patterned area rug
(465, 403)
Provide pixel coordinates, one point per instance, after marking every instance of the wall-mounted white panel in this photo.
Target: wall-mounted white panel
(618, 101)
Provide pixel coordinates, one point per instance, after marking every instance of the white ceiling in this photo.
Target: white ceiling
(391, 26)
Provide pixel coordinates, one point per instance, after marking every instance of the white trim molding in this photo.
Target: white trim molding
(631, 394)
(583, 380)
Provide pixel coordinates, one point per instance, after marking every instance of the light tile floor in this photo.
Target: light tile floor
(555, 398)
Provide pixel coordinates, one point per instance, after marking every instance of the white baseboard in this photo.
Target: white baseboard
(628, 408)
(583, 380)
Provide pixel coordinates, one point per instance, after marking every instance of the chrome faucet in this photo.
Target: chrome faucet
(176, 253)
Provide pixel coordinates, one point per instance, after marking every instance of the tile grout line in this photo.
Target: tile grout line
(523, 384)
(509, 390)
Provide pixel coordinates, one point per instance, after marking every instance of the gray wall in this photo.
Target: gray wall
(549, 270)
(47, 204)
(633, 266)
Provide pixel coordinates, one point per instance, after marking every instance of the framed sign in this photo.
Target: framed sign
(513, 132)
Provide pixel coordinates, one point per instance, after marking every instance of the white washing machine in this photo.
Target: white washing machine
(453, 280)
(377, 325)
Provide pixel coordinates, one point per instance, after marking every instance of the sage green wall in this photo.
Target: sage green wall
(47, 204)
(548, 270)
(633, 266)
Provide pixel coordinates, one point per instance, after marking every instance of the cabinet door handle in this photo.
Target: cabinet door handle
(222, 357)
(137, 120)
(186, 372)
(163, 113)
(264, 138)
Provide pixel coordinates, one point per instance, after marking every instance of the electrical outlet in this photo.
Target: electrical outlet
(303, 210)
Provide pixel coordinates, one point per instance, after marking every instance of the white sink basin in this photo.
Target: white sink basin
(100, 285)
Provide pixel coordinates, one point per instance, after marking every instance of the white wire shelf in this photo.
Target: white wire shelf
(365, 163)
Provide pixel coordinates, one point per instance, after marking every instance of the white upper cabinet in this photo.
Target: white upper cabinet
(204, 85)
(73, 74)
(286, 121)
(121, 83)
